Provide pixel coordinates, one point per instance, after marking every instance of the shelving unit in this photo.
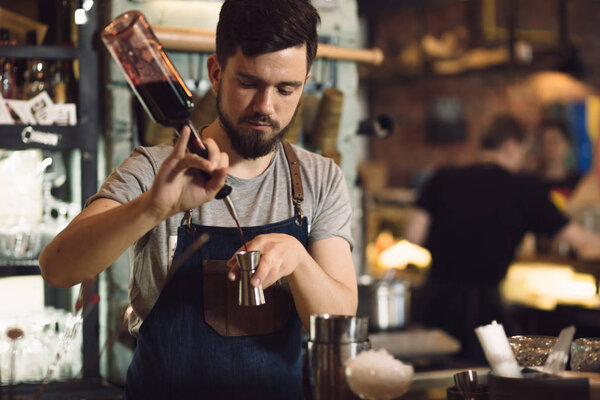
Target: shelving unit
(82, 137)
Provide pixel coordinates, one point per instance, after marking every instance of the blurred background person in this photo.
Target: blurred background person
(555, 171)
(472, 219)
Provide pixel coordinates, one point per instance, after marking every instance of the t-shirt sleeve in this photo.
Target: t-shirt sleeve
(333, 212)
(129, 180)
(543, 216)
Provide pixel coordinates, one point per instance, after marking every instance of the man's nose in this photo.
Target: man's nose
(263, 102)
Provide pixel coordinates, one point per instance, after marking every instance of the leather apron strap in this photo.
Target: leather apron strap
(297, 191)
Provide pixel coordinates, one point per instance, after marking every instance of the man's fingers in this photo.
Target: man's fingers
(223, 161)
(261, 273)
(197, 162)
(214, 155)
(233, 275)
(182, 140)
(234, 268)
(216, 181)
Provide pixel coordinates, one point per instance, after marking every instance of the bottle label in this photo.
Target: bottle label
(60, 92)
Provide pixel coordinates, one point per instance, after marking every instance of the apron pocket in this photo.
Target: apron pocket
(227, 318)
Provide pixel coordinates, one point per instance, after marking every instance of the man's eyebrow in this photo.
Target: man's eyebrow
(257, 79)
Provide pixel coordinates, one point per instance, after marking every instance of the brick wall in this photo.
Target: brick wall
(406, 94)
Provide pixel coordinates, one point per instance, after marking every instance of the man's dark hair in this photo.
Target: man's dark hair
(555, 123)
(502, 128)
(264, 26)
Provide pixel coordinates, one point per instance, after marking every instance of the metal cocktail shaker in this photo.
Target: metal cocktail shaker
(333, 340)
(248, 294)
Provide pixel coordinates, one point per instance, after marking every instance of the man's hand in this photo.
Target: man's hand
(322, 278)
(106, 228)
(280, 255)
(180, 185)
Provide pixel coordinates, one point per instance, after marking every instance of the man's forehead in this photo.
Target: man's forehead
(291, 58)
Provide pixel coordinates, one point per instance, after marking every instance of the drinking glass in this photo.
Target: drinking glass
(585, 354)
(531, 350)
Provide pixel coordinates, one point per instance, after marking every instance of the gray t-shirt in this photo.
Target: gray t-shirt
(261, 200)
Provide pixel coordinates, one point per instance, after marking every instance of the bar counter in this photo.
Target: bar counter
(432, 385)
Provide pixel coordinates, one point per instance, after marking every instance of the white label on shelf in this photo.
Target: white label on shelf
(22, 111)
(65, 114)
(5, 117)
(42, 108)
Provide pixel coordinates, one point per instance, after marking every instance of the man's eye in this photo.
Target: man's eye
(285, 92)
(247, 84)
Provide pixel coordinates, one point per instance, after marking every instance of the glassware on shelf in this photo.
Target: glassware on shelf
(8, 72)
(37, 77)
(20, 242)
(21, 207)
(43, 336)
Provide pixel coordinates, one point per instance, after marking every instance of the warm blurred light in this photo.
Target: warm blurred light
(80, 17)
(551, 86)
(546, 285)
(403, 253)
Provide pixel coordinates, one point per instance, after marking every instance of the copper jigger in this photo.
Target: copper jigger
(248, 294)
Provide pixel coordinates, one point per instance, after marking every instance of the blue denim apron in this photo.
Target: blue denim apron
(197, 343)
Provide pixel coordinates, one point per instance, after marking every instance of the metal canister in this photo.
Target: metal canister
(333, 340)
(386, 302)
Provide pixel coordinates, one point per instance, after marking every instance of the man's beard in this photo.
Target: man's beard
(252, 143)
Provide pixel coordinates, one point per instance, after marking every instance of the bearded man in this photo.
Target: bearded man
(194, 340)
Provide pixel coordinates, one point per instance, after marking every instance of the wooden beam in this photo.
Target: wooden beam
(201, 40)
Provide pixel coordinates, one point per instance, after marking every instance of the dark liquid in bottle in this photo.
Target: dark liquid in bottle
(195, 146)
(166, 101)
(169, 104)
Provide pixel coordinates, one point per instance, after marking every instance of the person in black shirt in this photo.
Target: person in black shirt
(472, 219)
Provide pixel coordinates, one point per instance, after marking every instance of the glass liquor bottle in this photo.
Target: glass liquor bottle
(153, 77)
(8, 73)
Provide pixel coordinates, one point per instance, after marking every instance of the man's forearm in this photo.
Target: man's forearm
(316, 292)
(94, 240)
(417, 226)
(585, 242)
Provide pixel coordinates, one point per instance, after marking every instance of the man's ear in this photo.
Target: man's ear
(214, 72)
(307, 78)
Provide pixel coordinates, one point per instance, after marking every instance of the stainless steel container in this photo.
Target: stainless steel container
(333, 340)
(249, 295)
(386, 302)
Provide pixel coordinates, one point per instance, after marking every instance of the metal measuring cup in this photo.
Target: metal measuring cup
(248, 294)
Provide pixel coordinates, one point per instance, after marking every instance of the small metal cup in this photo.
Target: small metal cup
(248, 294)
